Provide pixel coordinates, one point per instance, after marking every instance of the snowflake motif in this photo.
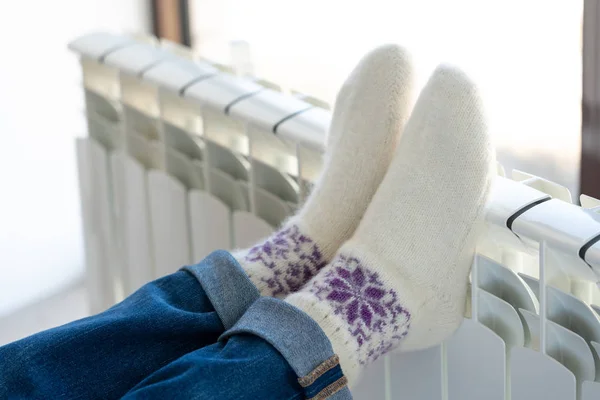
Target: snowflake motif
(291, 258)
(374, 317)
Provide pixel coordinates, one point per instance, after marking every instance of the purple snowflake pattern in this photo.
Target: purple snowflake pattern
(291, 258)
(372, 312)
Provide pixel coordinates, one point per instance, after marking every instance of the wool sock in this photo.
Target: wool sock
(370, 112)
(401, 280)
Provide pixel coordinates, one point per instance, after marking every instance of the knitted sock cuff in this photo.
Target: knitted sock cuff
(283, 263)
(366, 304)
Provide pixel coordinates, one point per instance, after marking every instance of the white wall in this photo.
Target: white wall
(41, 112)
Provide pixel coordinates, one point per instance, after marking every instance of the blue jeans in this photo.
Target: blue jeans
(188, 335)
(244, 367)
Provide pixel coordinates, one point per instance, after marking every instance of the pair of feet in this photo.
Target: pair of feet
(379, 255)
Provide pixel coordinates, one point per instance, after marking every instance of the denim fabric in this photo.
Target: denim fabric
(161, 342)
(244, 367)
(104, 356)
(296, 336)
(226, 284)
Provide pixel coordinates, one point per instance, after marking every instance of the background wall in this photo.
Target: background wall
(41, 112)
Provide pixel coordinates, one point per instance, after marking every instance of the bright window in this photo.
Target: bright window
(526, 56)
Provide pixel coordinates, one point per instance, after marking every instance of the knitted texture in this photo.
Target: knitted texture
(370, 112)
(401, 280)
(284, 262)
(368, 307)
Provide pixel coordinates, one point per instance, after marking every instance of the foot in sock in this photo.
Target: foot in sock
(371, 109)
(401, 280)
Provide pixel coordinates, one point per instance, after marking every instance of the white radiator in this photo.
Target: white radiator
(182, 158)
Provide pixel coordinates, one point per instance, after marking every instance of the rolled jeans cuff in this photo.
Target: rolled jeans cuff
(226, 284)
(301, 342)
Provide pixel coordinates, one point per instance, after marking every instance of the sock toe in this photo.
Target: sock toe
(377, 93)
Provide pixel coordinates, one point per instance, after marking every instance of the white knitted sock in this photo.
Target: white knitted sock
(402, 278)
(371, 109)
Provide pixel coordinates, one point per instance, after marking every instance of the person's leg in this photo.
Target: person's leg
(105, 355)
(243, 367)
(278, 352)
(374, 103)
(157, 325)
(401, 280)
